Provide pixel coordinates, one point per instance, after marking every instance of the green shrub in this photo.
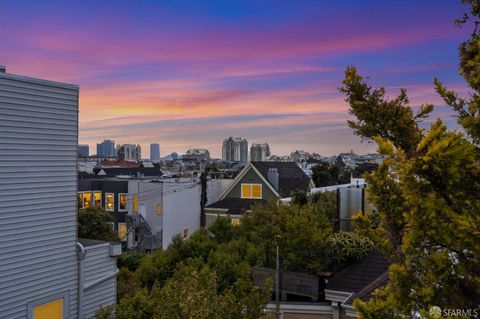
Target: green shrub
(345, 246)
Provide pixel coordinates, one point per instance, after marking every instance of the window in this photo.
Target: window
(109, 202)
(135, 203)
(51, 307)
(80, 200)
(159, 209)
(97, 197)
(84, 199)
(235, 221)
(87, 199)
(122, 231)
(252, 191)
(51, 310)
(122, 202)
(185, 233)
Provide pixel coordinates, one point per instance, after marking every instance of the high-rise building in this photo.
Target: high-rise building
(83, 150)
(129, 152)
(106, 148)
(198, 154)
(235, 149)
(155, 152)
(299, 156)
(259, 152)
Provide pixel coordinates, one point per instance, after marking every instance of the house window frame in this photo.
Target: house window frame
(251, 190)
(65, 296)
(80, 199)
(126, 231)
(81, 194)
(106, 202)
(101, 198)
(91, 196)
(120, 202)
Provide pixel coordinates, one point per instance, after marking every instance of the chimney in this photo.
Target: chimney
(273, 177)
(2, 69)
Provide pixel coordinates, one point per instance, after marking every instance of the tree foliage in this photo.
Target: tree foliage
(93, 223)
(426, 193)
(325, 174)
(209, 275)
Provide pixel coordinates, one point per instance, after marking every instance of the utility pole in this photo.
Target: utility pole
(277, 285)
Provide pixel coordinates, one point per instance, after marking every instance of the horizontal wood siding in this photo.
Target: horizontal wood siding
(98, 264)
(38, 156)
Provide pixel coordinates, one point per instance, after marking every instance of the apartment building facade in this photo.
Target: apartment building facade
(259, 152)
(235, 149)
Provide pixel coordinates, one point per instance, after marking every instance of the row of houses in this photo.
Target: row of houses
(47, 272)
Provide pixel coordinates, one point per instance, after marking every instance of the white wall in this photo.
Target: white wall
(181, 209)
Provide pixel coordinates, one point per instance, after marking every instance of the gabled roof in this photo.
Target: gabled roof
(291, 177)
(358, 276)
(236, 206)
(242, 173)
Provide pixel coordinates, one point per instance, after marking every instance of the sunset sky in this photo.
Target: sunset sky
(190, 73)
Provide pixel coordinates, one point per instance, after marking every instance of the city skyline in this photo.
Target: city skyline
(189, 75)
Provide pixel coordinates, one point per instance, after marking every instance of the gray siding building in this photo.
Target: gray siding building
(39, 275)
(38, 201)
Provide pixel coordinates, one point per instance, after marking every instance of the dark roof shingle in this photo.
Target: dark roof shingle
(291, 177)
(359, 275)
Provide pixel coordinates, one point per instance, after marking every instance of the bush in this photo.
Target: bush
(130, 261)
(345, 246)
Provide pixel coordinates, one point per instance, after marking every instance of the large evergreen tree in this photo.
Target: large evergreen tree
(426, 192)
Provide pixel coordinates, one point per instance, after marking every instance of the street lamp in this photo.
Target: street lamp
(277, 281)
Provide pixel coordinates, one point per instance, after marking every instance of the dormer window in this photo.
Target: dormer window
(253, 191)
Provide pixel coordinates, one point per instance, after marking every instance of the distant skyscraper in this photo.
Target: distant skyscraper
(235, 149)
(299, 156)
(154, 152)
(83, 150)
(106, 148)
(198, 154)
(259, 152)
(129, 152)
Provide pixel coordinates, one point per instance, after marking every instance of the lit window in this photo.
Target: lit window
(135, 203)
(109, 202)
(122, 202)
(87, 199)
(257, 191)
(98, 198)
(51, 310)
(235, 221)
(252, 191)
(159, 209)
(80, 200)
(122, 231)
